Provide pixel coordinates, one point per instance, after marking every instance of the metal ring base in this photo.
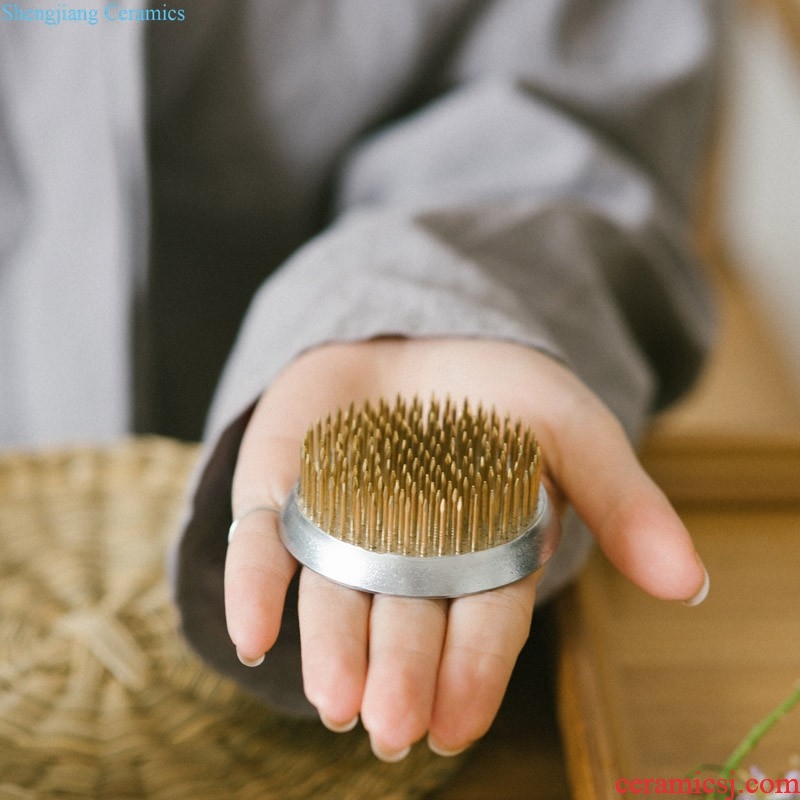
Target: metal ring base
(413, 576)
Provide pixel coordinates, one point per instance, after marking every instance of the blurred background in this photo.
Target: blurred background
(758, 174)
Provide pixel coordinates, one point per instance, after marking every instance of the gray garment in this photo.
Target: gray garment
(510, 169)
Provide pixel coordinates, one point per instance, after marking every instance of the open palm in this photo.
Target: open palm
(407, 666)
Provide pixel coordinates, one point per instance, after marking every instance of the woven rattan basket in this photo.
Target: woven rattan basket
(99, 696)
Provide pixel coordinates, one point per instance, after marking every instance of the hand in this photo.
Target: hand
(411, 666)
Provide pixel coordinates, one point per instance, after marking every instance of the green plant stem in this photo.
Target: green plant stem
(755, 734)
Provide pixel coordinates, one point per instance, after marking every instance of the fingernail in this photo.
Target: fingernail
(388, 756)
(702, 592)
(338, 727)
(250, 662)
(435, 747)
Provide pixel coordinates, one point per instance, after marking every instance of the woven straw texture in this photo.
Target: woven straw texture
(99, 696)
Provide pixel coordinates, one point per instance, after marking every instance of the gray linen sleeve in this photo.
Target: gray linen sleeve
(543, 199)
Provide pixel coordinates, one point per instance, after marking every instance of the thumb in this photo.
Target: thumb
(631, 518)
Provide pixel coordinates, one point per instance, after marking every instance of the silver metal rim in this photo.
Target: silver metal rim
(413, 576)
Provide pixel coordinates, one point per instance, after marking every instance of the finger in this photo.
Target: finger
(258, 570)
(485, 633)
(406, 638)
(334, 627)
(592, 461)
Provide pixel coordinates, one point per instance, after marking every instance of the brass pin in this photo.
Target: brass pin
(422, 479)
